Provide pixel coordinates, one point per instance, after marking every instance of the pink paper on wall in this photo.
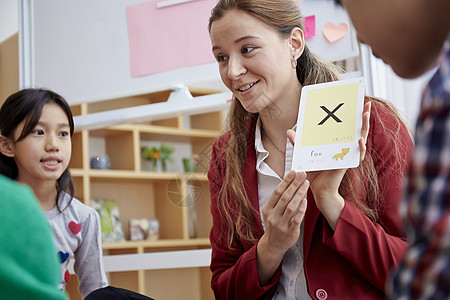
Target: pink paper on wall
(310, 26)
(168, 38)
(333, 32)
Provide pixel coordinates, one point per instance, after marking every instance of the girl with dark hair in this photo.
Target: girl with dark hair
(277, 234)
(36, 127)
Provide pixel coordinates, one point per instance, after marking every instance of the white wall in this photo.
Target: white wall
(405, 94)
(9, 18)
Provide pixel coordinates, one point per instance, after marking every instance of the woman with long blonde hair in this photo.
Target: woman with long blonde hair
(278, 234)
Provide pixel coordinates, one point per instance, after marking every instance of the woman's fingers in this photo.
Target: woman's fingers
(362, 148)
(284, 202)
(291, 135)
(279, 190)
(293, 205)
(285, 188)
(365, 123)
(289, 203)
(364, 130)
(288, 194)
(298, 217)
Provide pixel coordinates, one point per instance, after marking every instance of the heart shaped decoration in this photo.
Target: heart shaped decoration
(63, 256)
(334, 33)
(74, 227)
(66, 276)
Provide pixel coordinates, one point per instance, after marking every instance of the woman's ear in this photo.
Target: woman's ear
(297, 42)
(6, 147)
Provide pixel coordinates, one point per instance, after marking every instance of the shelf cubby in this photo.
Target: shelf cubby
(178, 200)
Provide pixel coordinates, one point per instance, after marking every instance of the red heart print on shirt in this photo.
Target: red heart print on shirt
(66, 276)
(74, 227)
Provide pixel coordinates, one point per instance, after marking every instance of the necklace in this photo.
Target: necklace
(273, 144)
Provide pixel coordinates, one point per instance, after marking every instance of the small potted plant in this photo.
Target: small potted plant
(158, 156)
(190, 163)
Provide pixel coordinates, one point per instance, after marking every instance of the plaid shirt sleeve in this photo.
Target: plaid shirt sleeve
(425, 271)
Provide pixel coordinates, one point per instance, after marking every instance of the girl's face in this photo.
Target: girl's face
(44, 154)
(254, 60)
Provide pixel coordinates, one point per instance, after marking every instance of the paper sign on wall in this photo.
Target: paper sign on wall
(168, 38)
(310, 26)
(329, 126)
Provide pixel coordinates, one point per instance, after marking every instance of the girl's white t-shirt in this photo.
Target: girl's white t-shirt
(77, 236)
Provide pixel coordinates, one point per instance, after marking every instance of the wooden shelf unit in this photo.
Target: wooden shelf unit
(142, 193)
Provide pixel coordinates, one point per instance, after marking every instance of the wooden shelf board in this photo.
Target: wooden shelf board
(200, 242)
(76, 172)
(163, 130)
(119, 174)
(129, 174)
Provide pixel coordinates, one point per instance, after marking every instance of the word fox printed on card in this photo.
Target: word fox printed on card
(329, 126)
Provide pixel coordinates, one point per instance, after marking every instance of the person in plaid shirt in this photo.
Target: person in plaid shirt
(412, 37)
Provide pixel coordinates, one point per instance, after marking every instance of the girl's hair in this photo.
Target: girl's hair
(26, 105)
(239, 215)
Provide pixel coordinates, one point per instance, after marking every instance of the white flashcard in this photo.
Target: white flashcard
(329, 126)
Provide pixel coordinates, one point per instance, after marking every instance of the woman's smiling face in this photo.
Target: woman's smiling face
(254, 60)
